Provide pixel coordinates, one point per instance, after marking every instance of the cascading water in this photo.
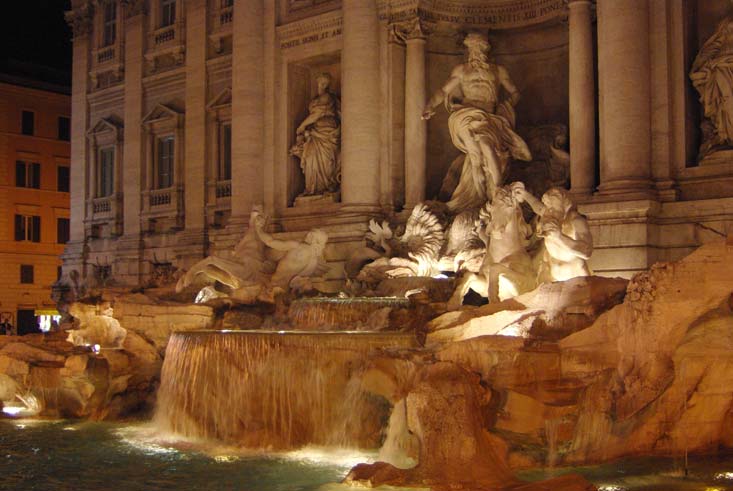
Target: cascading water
(332, 313)
(273, 390)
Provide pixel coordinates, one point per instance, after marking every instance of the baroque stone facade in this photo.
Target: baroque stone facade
(184, 112)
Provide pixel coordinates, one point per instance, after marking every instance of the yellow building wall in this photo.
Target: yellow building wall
(45, 148)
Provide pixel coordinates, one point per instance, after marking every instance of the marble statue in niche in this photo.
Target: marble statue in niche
(318, 142)
(481, 97)
(712, 76)
(568, 243)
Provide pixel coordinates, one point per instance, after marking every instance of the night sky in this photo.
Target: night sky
(35, 32)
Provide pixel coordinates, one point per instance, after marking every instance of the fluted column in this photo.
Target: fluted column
(624, 95)
(360, 103)
(582, 99)
(416, 131)
(248, 93)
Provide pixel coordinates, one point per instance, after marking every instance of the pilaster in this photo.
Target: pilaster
(360, 102)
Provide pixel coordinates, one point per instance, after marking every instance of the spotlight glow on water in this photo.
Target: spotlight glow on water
(12, 410)
(724, 475)
(340, 457)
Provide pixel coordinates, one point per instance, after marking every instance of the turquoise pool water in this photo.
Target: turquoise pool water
(62, 455)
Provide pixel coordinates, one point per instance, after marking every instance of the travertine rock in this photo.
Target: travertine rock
(550, 312)
(446, 410)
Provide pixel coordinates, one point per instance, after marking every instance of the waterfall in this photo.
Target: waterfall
(273, 390)
(328, 313)
(400, 448)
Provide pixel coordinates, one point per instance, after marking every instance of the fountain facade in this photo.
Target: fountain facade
(328, 190)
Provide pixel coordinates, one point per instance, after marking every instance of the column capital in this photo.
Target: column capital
(133, 8)
(412, 29)
(579, 3)
(80, 19)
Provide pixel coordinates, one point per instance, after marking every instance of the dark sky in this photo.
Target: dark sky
(34, 31)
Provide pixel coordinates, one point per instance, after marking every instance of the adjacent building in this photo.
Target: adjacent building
(184, 112)
(35, 124)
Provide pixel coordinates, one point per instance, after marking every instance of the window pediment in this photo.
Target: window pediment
(162, 117)
(222, 101)
(106, 130)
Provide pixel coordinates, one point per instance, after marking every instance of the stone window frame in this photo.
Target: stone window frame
(107, 57)
(106, 133)
(165, 40)
(113, 23)
(221, 17)
(218, 196)
(163, 121)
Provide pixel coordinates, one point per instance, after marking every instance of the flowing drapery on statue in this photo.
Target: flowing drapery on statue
(498, 134)
(480, 97)
(318, 142)
(712, 76)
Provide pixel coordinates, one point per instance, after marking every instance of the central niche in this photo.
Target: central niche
(314, 126)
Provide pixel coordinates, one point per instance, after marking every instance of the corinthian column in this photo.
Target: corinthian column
(80, 21)
(416, 131)
(624, 83)
(582, 99)
(360, 103)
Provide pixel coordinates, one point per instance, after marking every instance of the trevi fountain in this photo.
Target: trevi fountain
(464, 343)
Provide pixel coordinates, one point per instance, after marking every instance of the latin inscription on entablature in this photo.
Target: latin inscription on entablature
(310, 30)
(496, 15)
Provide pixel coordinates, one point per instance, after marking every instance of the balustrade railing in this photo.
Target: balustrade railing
(102, 205)
(223, 189)
(159, 197)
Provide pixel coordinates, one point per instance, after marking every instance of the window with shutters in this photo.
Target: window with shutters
(27, 174)
(27, 228)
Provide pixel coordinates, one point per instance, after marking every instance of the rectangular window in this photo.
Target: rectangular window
(110, 23)
(225, 153)
(26, 273)
(168, 13)
(226, 3)
(106, 179)
(28, 123)
(27, 174)
(63, 228)
(64, 128)
(27, 227)
(63, 179)
(164, 177)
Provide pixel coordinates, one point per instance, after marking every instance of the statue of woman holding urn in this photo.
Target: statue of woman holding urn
(318, 142)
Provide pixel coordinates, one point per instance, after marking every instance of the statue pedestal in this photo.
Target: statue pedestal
(317, 199)
(719, 157)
